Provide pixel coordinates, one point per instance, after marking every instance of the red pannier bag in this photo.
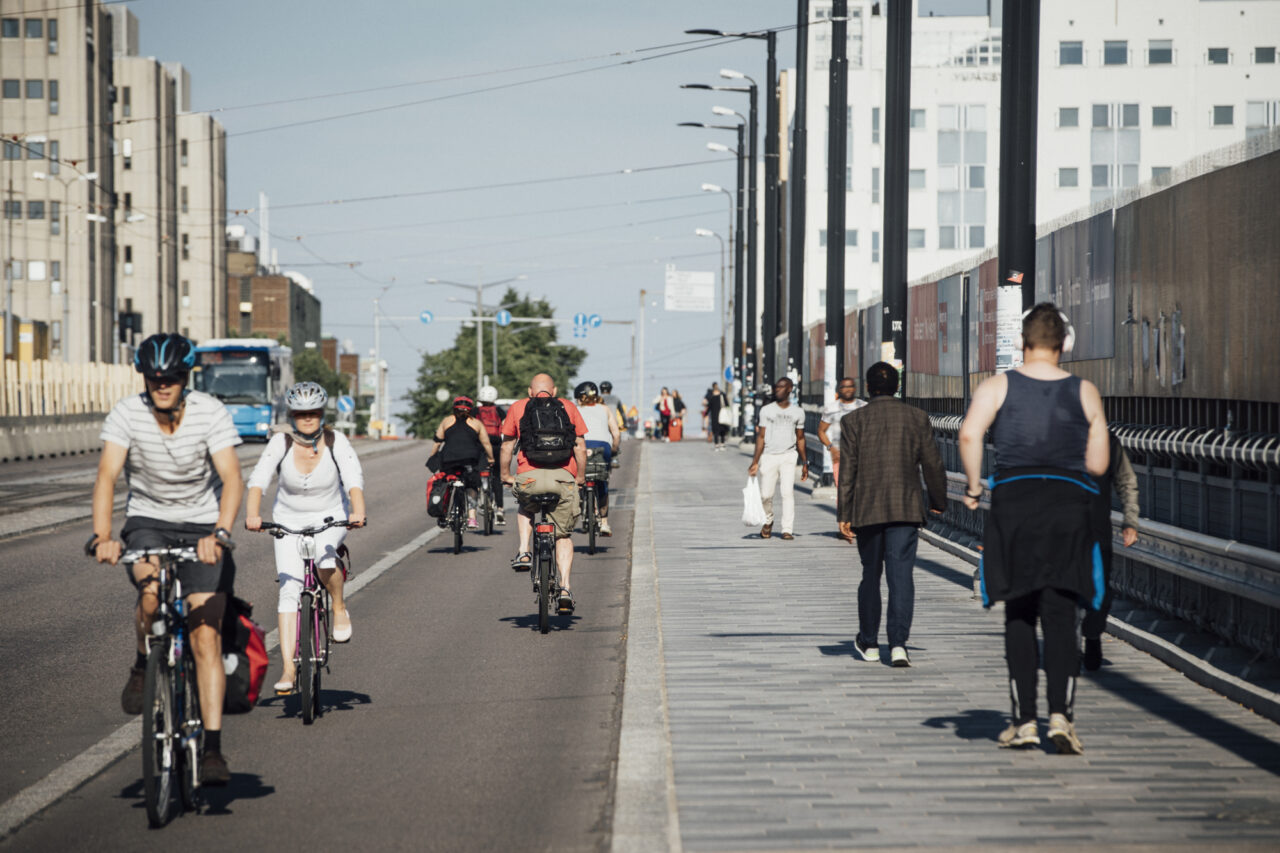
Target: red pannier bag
(244, 654)
(435, 496)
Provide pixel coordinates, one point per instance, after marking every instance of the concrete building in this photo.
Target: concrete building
(60, 216)
(202, 214)
(274, 306)
(1127, 91)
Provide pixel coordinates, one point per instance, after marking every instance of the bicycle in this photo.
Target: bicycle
(546, 576)
(314, 612)
(455, 514)
(488, 506)
(172, 729)
(596, 473)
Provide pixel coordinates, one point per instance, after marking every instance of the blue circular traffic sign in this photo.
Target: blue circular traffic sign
(346, 405)
(426, 317)
(594, 321)
(728, 374)
(502, 318)
(580, 319)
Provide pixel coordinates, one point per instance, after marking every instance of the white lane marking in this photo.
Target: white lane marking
(66, 778)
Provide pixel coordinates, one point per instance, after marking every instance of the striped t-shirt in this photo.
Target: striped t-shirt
(171, 477)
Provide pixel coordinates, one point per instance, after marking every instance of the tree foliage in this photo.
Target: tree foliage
(524, 349)
(309, 366)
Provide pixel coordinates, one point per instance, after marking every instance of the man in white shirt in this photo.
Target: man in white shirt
(829, 430)
(779, 447)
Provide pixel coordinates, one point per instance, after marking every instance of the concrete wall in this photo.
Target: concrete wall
(52, 435)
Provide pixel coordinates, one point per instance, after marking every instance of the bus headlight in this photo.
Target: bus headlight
(262, 427)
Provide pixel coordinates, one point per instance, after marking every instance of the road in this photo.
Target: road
(451, 722)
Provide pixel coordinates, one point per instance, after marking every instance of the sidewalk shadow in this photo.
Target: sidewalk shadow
(844, 648)
(975, 724)
(210, 801)
(955, 576)
(330, 700)
(529, 622)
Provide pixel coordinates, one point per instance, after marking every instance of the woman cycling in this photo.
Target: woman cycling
(463, 445)
(602, 434)
(314, 485)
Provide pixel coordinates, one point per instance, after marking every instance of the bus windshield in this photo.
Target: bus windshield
(233, 377)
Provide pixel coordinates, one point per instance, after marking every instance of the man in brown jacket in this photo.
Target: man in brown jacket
(884, 447)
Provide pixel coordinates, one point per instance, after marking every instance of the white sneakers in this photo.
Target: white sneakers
(898, 656)
(1063, 735)
(1027, 734)
(868, 653)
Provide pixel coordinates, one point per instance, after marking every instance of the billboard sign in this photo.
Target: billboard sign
(687, 290)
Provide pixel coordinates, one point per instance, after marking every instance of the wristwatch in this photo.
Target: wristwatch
(222, 534)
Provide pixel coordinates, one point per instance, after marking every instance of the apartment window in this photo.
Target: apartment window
(246, 290)
(947, 237)
(12, 210)
(11, 27)
(850, 298)
(977, 177)
(35, 28)
(128, 260)
(917, 119)
(949, 117)
(35, 90)
(1160, 52)
(915, 238)
(1068, 177)
(1071, 53)
(13, 88)
(55, 221)
(55, 270)
(875, 247)
(915, 179)
(875, 185)
(1068, 117)
(54, 165)
(35, 210)
(53, 97)
(1162, 116)
(1219, 56)
(52, 32)
(850, 238)
(1102, 115)
(12, 150)
(186, 288)
(128, 203)
(186, 247)
(1115, 53)
(1101, 176)
(1260, 117)
(1224, 115)
(37, 270)
(126, 101)
(875, 125)
(1128, 115)
(16, 267)
(183, 195)
(1160, 173)
(126, 150)
(977, 236)
(1264, 55)
(948, 177)
(182, 151)
(35, 150)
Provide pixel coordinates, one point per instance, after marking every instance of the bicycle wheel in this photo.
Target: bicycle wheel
(307, 669)
(324, 614)
(544, 587)
(489, 511)
(158, 742)
(589, 516)
(458, 512)
(192, 731)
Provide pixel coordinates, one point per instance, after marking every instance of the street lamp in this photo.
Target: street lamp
(707, 232)
(66, 250)
(479, 289)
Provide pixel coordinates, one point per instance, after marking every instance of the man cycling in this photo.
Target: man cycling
(464, 446)
(614, 403)
(491, 414)
(602, 434)
(561, 478)
(177, 450)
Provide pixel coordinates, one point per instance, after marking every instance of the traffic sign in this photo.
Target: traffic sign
(346, 405)
(502, 318)
(728, 374)
(426, 317)
(580, 332)
(580, 319)
(594, 321)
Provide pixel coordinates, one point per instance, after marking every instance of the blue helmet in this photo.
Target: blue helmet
(165, 356)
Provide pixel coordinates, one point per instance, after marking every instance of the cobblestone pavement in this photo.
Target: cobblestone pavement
(782, 739)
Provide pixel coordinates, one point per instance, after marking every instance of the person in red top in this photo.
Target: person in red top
(532, 480)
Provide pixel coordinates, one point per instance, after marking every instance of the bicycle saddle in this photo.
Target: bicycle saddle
(544, 501)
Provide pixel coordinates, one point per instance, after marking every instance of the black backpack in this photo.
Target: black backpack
(547, 435)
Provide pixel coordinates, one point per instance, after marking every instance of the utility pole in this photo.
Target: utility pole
(837, 130)
(753, 226)
(897, 158)
(10, 327)
(799, 165)
(771, 280)
(739, 249)
(640, 398)
(374, 410)
(479, 338)
(1020, 64)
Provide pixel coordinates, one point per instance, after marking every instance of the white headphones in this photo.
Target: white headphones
(1068, 343)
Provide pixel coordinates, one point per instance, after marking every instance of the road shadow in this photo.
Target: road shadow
(209, 801)
(956, 576)
(330, 700)
(529, 622)
(974, 724)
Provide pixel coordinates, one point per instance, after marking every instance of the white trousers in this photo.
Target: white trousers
(779, 469)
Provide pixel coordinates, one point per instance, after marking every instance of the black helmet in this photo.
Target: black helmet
(606, 386)
(586, 391)
(165, 356)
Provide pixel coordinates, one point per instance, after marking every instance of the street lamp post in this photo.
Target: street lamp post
(706, 232)
(799, 166)
(65, 269)
(479, 289)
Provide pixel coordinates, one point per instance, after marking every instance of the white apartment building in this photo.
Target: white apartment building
(58, 180)
(202, 216)
(1128, 90)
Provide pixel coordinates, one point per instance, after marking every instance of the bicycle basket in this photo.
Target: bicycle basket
(597, 467)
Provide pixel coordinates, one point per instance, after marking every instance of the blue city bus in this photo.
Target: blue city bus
(250, 376)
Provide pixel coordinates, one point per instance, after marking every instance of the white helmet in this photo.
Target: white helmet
(488, 394)
(306, 397)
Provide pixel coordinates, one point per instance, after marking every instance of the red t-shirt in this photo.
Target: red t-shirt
(511, 431)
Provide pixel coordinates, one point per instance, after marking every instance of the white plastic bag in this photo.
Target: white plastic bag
(752, 509)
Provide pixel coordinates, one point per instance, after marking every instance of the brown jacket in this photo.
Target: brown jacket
(883, 448)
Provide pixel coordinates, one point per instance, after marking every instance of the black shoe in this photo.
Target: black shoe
(131, 696)
(213, 769)
(867, 651)
(1092, 657)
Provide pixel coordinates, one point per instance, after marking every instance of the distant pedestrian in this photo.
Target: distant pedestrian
(665, 407)
(1039, 538)
(1119, 476)
(678, 405)
(829, 429)
(717, 403)
(779, 447)
(884, 448)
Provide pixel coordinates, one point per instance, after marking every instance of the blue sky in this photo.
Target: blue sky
(593, 260)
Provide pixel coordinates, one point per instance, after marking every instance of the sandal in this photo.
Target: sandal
(766, 532)
(286, 688)
(523, 562)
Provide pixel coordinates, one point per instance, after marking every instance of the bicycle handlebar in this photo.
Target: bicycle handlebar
(91, 550)
(279, 530)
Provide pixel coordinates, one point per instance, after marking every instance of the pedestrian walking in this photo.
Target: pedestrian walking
(829, 428)
(665, 406)
(885, 446)
(779, 447)
(1119, 476)
(1039, 538)
(717, 403)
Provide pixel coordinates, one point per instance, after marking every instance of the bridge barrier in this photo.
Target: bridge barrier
(49, 435)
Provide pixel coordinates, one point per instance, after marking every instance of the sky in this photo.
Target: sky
(468, 111)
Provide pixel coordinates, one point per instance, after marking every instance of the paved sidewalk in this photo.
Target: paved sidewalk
(781, 739)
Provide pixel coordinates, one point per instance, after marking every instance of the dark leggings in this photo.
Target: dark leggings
(665, 426)
(1059, 622)
(495, 476)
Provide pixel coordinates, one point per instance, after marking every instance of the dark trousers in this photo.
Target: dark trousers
(1095, 621)
(1059, 621)
(889, 550)
(495, 475)
(718, 429)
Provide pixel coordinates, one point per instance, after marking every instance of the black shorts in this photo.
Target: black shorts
(140, 532)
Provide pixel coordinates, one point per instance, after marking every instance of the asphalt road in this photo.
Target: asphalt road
(450, 722)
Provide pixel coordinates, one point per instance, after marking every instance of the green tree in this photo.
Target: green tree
(310, 366)
(523, 350)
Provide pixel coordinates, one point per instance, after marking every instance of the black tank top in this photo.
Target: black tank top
(1041, 423)
(461, 445)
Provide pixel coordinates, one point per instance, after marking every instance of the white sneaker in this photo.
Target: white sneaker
(1027, 734)
(1063, 735)
(605, 530)
(868, 653)
(898, 657)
